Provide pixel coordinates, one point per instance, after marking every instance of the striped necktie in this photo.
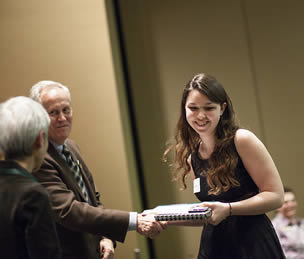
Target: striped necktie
(74, 166)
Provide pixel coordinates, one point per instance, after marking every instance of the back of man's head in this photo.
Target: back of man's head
(21, 120)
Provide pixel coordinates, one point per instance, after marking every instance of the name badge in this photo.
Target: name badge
(196, 185)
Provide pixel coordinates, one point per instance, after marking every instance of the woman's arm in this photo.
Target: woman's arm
(263, 172)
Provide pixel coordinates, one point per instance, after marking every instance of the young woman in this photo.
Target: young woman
(233, 174)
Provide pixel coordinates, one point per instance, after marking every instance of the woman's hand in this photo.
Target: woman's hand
(220, 211)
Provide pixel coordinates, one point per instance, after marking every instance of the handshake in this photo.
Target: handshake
(148, 226)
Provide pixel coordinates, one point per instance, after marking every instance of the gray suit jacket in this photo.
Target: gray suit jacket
(80, 226)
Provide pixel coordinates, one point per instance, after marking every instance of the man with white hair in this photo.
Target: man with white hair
(27, 227)
(84, 225)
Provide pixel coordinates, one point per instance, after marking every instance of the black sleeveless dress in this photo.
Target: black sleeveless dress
(236, 237)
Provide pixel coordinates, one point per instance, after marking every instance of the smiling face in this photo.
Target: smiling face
(202, 114)
(57, 103)
(289, 208)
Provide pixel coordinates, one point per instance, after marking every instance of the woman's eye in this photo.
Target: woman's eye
(192, 108)
(209, 108)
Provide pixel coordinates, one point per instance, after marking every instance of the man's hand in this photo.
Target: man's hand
(106, 249)
(147, 226)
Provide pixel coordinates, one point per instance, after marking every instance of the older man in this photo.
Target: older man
(84, 226)
(27, 227)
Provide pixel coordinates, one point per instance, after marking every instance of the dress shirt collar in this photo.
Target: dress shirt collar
(58, 147)
(286, 222)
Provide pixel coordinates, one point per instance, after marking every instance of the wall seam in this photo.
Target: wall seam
(253, 70)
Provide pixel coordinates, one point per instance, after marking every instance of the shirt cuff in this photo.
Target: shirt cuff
(132, 221)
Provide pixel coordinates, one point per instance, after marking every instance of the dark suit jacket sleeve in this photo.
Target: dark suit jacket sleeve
(74, 214)
(40, 231)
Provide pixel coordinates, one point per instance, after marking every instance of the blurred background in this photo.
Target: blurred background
(126, 64)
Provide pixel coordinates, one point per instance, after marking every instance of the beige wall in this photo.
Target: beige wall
(277, 47)
(253, 47)
(68, 41)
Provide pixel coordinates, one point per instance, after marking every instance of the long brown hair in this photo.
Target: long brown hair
(224, 158)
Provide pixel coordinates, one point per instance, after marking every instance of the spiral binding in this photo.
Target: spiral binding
(183, 216)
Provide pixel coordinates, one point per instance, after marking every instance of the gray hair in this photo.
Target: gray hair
(36, 90)
(21, 120)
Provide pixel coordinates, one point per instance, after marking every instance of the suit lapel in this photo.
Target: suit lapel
(68, 173)
(90, 187)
